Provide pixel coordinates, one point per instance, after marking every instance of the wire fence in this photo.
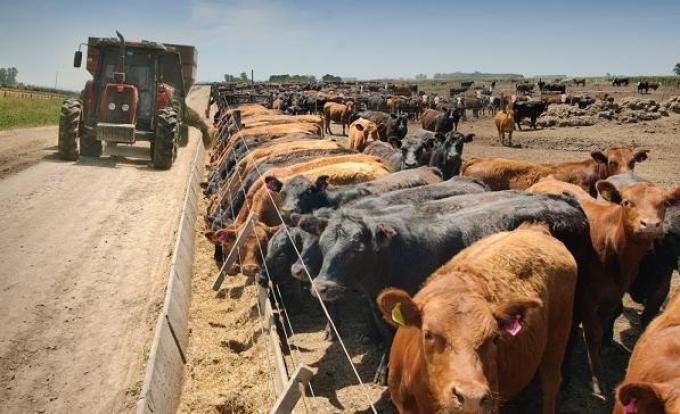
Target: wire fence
(288, 382)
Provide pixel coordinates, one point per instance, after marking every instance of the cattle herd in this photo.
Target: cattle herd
(480, 274)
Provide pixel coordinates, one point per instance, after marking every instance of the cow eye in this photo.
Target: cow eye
(428, 335)
(627, 203)
(613, 163)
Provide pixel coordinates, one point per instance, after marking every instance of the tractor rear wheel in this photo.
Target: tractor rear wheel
(69, 128)
(165, 142)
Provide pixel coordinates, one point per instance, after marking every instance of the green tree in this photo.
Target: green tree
(12, 76)
(244, 77)
(230, 78)
(676, 69)
(421, 76)
(331, 78)
(3, 76)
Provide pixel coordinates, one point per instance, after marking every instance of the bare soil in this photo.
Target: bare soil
(222, 379)
(85, 249)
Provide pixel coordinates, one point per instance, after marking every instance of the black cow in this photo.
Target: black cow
(581, 81)
(528, 109)
(445, 121)
(447, 156)
(553, 87)
(300, 195)
(524, 88)
(620, 82)
(371, 252)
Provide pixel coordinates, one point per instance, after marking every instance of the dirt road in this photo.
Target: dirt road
(21, 148)
(85, 248)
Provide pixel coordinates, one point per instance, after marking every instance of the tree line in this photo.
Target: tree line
(8, 76)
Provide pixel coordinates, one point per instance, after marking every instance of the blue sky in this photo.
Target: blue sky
(364, 39)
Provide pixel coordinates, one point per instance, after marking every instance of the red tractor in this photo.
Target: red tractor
(136, 94)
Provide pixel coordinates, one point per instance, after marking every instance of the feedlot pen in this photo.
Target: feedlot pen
(231, 363)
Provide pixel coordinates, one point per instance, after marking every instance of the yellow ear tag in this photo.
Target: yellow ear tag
(607, 195)
(397, 316)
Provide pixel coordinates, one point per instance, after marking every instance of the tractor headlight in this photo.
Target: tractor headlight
(112, 106)
(125, 107)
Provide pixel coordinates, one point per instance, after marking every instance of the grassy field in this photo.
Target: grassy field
(22, 113)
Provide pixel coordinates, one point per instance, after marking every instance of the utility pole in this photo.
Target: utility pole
(56, 80)
(252, 77)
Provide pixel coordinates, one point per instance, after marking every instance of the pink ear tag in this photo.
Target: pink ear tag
(630, 407)
(513, 327)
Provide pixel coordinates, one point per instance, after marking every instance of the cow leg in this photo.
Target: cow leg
(510, 139)
(549, 371)
(656, 299)
(592, 333)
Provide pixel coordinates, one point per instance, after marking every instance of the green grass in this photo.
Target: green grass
(23, 113)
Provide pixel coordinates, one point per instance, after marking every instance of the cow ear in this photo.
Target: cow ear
(608, 191)
(273, 183)
(640, 155)
(321, 183)
(511, 314)
(398, 309)
(641, 397)
(225, 235)
(359, 127)
(599, 157)
(384, 233)
(673, 198)
(468, 137)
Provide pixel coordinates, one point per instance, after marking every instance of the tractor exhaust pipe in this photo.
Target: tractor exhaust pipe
(120, 76)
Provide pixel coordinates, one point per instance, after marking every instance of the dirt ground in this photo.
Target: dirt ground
(224, 378)
(85, 249)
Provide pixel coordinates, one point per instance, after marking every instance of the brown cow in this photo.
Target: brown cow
(622, 228)
(652, 383)
(483, 325)
(506, 174)
(361, 132)
(505, 123)
(338, 113)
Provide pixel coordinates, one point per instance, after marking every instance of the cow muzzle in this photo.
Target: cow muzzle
(327, 290)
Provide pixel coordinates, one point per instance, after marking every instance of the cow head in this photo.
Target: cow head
(460, 334)
(618, 160)
(281, 254)
(646, 397)
(453, 152)
(252, 250)
(301, 195)
(369, 131)
(643, 206)
(400, 125)
(416, 151)
(351, 248)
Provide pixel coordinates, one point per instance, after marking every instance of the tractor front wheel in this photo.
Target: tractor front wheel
(69, 127)
(89, 146)
(165, 143)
